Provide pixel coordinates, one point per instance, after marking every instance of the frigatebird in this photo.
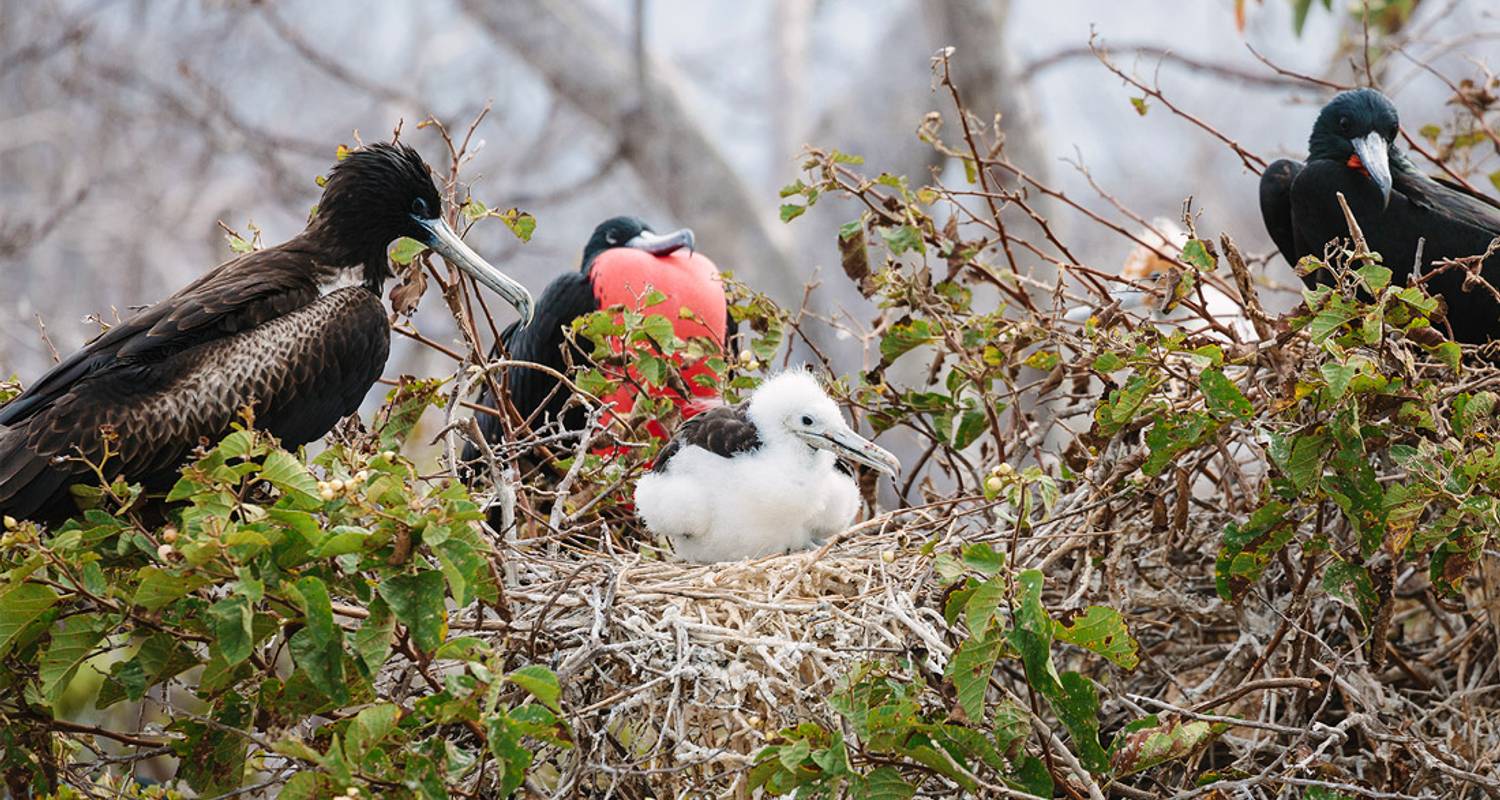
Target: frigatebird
(759, 478)
(623, 262)
(268, 331)
(1144, 264)
(1353, 150)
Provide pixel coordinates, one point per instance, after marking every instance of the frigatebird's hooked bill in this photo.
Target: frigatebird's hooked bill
(623, 262)
(262, 332)
(1353, 150)
(759, 478)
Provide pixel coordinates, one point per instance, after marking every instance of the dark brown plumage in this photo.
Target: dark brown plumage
(722, 430)
(256, 334)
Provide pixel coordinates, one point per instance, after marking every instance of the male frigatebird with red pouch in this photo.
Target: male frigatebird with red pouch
(268, 331)
(623, 263)
(1353, 151)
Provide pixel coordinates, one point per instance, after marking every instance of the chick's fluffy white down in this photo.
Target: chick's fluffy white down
(756, 504)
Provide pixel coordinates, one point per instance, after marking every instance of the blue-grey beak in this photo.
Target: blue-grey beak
(664, 244)
(1373, 153)
(447, 244)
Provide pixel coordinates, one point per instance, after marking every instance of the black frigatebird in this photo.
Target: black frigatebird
(268, 331)
(759, 478)
(1353, 150)
(623, 261)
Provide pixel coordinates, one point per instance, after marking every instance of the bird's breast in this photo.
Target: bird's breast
(688, 282)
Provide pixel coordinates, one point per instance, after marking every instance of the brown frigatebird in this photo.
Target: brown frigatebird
(1353, 150)
(279, 332)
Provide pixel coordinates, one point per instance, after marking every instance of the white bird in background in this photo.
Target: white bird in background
(1143, 263)
(759, 478)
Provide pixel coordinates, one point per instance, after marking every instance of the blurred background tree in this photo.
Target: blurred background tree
(129, 129)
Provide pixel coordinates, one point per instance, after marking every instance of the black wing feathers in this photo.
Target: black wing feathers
(1276, 206)
(236, 296)
(723, 431)
(566, 298)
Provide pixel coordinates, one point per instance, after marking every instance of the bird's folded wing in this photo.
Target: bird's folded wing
(1450, 201)
(234, 297)
(299, 373)
(723, 431)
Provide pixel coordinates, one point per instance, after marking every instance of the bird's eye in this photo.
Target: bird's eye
(807, 420)
(1343, 123)
(420, 208)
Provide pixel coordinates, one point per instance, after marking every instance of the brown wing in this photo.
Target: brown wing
(299, 373)
(724, 431)
(236, 296)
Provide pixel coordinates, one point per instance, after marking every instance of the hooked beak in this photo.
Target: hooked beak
(845, 443)
(1371, 149)
(449, 246)
(665, 244)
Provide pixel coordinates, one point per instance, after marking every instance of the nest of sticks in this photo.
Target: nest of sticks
(676, 675)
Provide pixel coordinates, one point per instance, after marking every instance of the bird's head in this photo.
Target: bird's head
(1358, 128)
(382, 192)
(633, 233)
(792, 407)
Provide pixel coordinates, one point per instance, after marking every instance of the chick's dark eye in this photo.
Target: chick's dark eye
(806, 420)
(1343, 123)
(420, 208)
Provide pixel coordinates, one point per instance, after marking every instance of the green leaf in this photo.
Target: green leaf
(882, 783)
(375, 636)
(1071, 695)
(1375, 277)
(1102, 630)
(214, 764)
(317, 610)
(791, 211)
(902, 239)
(160, 588)
(417, 601)
(1139, 103)
(1142, 748)
(19, 607)
(322, 663)
(406, 249)
(231, 618)
(1351, 583)
(980, 556)
(541, 683)
(285, 472)
(304, 785)
(1248, 549)
(1196, 252)
(903, 337)
(1338, 377)
(970, 670)
(369, 726)
(1223, 397)
(521, 223)
(1450, 354)
(67, 650)
(984, 603)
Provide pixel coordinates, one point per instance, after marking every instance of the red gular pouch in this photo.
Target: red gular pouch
(1355, 164)
(695, 304)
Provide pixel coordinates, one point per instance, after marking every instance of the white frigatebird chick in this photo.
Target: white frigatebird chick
(759, 478)
(267, 331)
(623, 262)
(1353, 150)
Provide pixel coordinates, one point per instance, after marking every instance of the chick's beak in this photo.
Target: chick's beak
(843, 442)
